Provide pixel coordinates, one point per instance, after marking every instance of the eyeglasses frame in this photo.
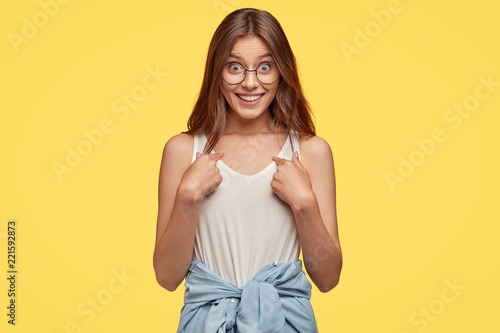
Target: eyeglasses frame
(249, 70)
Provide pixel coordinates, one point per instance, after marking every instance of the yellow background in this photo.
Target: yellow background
(402, 245)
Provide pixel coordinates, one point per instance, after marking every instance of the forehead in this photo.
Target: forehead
(249, 47)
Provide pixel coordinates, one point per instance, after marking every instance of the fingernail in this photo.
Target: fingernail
(198, 154)
(274, 158)
(296, 153)
(220, 154)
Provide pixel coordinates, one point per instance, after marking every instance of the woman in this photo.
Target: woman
(238, 200)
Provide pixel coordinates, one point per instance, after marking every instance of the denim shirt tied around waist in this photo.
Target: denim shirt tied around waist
(276, 300)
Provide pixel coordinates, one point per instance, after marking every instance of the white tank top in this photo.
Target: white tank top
(243, 225)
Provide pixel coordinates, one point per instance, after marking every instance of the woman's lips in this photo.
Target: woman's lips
(249, 98)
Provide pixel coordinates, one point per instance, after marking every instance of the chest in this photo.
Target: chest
(250, 155)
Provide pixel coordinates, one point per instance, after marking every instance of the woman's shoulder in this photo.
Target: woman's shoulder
(316, 157)
(180, 144)
(314, 146)
(177, 154)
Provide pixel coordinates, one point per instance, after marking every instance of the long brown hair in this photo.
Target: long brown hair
(289, 109)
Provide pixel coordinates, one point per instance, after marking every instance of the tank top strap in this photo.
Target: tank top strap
(199, 145)
(294, 142)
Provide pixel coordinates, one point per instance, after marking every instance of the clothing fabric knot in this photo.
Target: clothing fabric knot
(260, 308)
(276, 300)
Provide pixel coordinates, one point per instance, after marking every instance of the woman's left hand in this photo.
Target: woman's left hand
(291, 181)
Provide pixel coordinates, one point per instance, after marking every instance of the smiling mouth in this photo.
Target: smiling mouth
(249, 98)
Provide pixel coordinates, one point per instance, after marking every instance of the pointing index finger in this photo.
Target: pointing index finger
(216, 156)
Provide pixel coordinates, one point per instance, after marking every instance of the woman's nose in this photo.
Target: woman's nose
(250, 81)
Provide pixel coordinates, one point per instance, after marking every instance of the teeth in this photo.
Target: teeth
(250, 98)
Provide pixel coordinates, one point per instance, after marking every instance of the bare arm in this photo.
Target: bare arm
(182, 187)
(309, 188)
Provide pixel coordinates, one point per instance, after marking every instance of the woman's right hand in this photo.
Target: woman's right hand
(202, 177)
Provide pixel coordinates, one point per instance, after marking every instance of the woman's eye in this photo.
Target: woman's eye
(265, 67)
(234, 67)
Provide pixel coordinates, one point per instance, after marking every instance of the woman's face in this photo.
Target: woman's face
(251, 52)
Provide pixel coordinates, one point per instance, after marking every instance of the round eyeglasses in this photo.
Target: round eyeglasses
(234, 72)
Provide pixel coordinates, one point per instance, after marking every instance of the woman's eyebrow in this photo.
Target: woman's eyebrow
(232, 55)
(264, 55)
